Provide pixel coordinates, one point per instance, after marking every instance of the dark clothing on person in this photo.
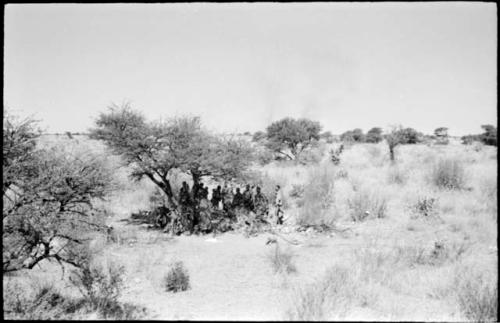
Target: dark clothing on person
(260, 204)
(238, 200)
(247, 199)
(216, 197)
(184, 197)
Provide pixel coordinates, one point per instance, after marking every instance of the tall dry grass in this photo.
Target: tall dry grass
(317, 198)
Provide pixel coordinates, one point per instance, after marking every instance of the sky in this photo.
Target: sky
(242, 66)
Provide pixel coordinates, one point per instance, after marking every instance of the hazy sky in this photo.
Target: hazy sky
(242, 66)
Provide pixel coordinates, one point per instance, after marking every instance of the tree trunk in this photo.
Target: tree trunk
(391, 152)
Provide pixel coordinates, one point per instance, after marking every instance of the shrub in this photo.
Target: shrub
(425, 205)
(100, 287)
(44, 303)
(365, 203)
(477, 296)
(318, 197)
(177, 278)
(448, 174)
(325, 299)
(335, 154)
(282, 261)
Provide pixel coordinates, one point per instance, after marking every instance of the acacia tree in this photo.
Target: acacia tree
(399, 135)
(155, 149)
(489, 137)
(355, 135)
(290, 137)
(374, 135)
(48, 198)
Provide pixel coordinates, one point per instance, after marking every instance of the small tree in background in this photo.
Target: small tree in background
(489, 137)
(355, 135)
(290, 137)
(399, 135)
(441, 134)
(374, 135)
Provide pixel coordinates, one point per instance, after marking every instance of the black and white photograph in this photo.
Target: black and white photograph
(253, 161)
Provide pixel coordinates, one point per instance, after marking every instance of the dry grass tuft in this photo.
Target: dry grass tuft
(477, 295)
(326, 299)
(282, 261)
(177, 278)
(448, 173)
(367, 203)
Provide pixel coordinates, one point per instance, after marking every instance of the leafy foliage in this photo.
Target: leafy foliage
(374, 135)
(290, 137)
(400, 135)
(177, 278)
(355, 135)
(48, 197)
(155, 149)
(489, 137)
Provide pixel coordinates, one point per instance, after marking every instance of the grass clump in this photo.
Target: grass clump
(424, 205)
(101, 287)
(317, 197)
(177, 278)
(44, 303)
(366, 203)
(326, 299)
(448, 173)
(282, 261)
(477, 295)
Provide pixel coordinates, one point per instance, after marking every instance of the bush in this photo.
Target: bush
(318, 197)
(365, 203)
(448, 174)
(282, 261)
(477, 296)
(177, 278)
(325, 299)
(100, 287)
(425, 205)
(44, 303)
(335, 154)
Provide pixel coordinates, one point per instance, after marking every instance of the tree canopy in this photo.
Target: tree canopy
(154, 149)
(48, 196)
(374, 135)
(290, 137)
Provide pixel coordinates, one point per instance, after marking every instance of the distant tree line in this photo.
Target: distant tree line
(488, 137)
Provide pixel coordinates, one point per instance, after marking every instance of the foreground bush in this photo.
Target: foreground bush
(477, 296)
(326, 299)
(448, 174)
(177, 278)
(49, 196)
(46, 302)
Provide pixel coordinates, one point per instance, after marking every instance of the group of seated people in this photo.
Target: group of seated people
(198, 210)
